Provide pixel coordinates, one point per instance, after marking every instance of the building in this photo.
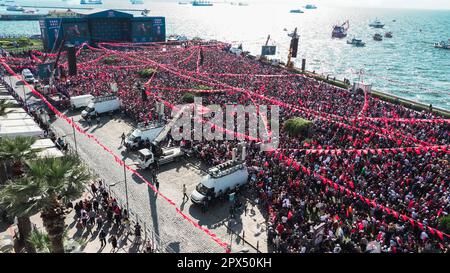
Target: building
(100, 26)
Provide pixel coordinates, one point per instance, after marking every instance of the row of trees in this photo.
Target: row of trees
(42, 185)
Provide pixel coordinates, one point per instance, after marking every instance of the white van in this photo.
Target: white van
(80, 101)
(28, 76)
(101, 105)
(220, 180)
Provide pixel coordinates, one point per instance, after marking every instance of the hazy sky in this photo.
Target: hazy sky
(413, 4)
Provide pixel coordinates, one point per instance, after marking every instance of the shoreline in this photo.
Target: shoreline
(414, 105)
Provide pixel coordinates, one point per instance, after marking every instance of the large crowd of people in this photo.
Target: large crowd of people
(359, 142)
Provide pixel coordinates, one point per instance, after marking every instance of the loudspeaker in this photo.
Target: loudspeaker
(72, 59)
(303, 65)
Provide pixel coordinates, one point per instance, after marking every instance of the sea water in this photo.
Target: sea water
(406, 65)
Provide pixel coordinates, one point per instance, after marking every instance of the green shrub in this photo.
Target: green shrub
(146, 73)
(110, 60)
(444, 224)
(297, 126)
(188, 98)
(24, 42)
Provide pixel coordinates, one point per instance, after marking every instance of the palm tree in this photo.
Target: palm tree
(17, 150)
(14, 198)
(13, 152)
(4, 104)
(52, 181)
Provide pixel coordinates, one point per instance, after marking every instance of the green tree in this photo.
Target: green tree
(13, 153)
(297, 126)
(188, 98)
(52, 181)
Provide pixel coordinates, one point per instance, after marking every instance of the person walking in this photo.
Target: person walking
(137, 233)
(113, 243)
(127, 227)
(157, 185)
(99, 221)
(89, 121)
(102, 237)
(94, 189)
(184, 192)
(122, 141)
(98, 118)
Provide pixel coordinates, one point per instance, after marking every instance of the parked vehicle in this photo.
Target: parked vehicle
(147, 158)
(220, 180)
(28, 76)
(143, 133)
(101, 105)
(80, 101)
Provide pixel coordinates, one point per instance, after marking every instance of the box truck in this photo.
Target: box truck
(100, 105)
(143, 133)
(80, 101)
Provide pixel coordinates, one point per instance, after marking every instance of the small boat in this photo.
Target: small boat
(378, 37)
(310, 7)
(137, 2)
(30, 11)
(183, 3)
(443, 44)
(376, 24)
(356, 42)
(201, 3)
(145, 12)
(14, 8)
(340, 31)
(388, 34)
(284, 29)
(175, 37)
(243, 4)
(91, 2)
(296, 11)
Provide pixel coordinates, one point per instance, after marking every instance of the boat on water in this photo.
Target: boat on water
(183, 3)
(175, 38)
(30, 11)
(201, 3)
(376, 24)
(14, 8)
(443, 44)
(378, 37)
(242, 4)
(137, 2)
(309, 6)
(296, 11)
(145, 12)
(388, 34)
(356, 42)
(91, 2)
(340, 31)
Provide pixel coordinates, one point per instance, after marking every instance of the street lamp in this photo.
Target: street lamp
(124, 181)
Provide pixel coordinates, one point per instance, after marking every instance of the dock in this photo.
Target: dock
(22, 17)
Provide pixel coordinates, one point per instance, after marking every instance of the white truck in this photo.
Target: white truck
(28, 76)
(143, 133)
(80, 101)
(101, 105)
(146, 158)
(220, 180)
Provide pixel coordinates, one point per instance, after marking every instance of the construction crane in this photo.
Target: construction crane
(267, 41)
(55, 65)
